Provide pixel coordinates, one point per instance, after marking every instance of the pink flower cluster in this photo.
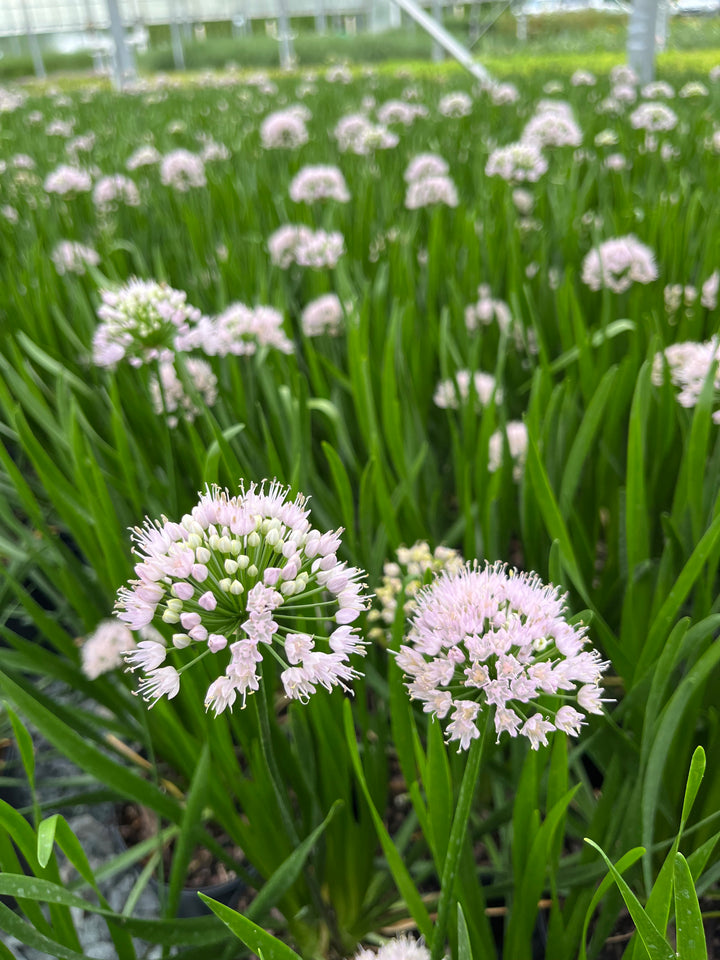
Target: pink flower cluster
(142, 321)
(400, 948)
(449, 394)
(491, 637)
(240, 331)
(323, 315)
(320, 182)
(145, 156)
(553, 125)
(689, 365)
(71, 257)
(455, 104)
(517, 163)
(516, 437)
(486, 310)
(285, 129)
(66, 179)
(182, 170)
(169, 396)
(653, 117)
(305, 247)
(237, 577)
(114, 189)
(618, 263)
(399, 111)
(356, 134)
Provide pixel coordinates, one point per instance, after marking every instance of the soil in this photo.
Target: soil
(137, 823)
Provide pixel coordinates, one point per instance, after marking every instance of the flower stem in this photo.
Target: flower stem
(458, 832)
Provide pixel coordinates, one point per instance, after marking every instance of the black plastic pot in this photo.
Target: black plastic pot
(191, 905)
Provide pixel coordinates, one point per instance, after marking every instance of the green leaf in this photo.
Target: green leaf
(406, 887)
(688, 918)
(185, 842)
(464, 948)
(695, 777)
(25, 745)
(46, 839)
(623, 864)
(637, 535)
(288, 871)
(655, 943)
(261, 943)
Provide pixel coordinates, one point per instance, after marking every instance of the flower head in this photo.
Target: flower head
(285, 129)
(323, 316)
(320, 182)
(489, 637)
(401, 948)
(141, 321)
(305, 247)
(515, 434)
(169, 396)
(115, 189)
(618, 263)
(237, 575)
(145, 156)
(456, 104)
(182, 170)
(449, 394)
(67, 180)
(71, 257)
(517, 163)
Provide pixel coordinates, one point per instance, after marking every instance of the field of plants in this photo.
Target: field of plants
(360, 513)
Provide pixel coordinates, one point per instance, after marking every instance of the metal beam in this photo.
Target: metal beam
(446, 40)
(641, 38)
(124, 61)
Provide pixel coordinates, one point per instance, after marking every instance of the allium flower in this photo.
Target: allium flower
(319, 183)
(356, 134)
(616, 162)
(491, 637)
(66, 179)
(240, 331)
(9, 213)
(21, 161)
(689, 366)
(102, 651)
(693, 88)
(142, 321)
(238, 575)
(504, 93)
(515, 434)
(624, 74)
(71, 257)
(431, 191)
(449, 394)
(709, 298)
(401, 948)
(456, 104)
(618, 263)
(305, 247)
(115, 189)
(606, 138)
(398, 111)
(624, 93)
(168, 394)
(144, 156)
(284, 130)
(213, 151)
(323, 316)
(60, 128)
(583, 78)
(523, 201)
(81, 144)
(552, 129)
(657, 89)
(10, 100)
(653, 117)
(425, 165)
(517, 163)
(182, 170)
(487, 310)
(414, 566)
(338, 73)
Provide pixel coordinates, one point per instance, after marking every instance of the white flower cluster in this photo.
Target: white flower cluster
(450, 394)
(356, 134)
(66, 179)
(689, 365)
(323, 315)
(285, 129)
(618, 263)
(240, 331)
(320, 182)
(168, 394)
(317, 249)
(72, 257)
(182, 170)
